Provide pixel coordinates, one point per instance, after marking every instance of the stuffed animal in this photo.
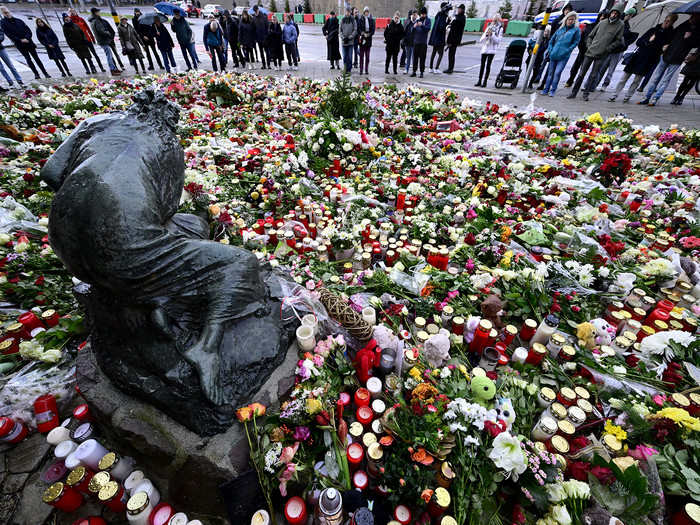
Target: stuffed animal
(587, 332)
(604, 332)
(386, 339)
(470, 327)
(597, 515)
(492, 309)
(505, 410)
(484, 390)
(437, 350)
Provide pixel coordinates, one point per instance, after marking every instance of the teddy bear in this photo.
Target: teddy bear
(597, 515)
(437, 349)
(604, 332)
(587, 332)
(492, 309)
(484, 390)
(386, 338)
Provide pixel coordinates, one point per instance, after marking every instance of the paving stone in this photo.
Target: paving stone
(31, 510)
(14, 483)
(8, 502)
(28, 455)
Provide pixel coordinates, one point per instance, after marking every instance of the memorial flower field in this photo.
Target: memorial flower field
(532, 283)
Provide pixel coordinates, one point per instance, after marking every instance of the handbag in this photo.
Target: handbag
(128, 48)
(627, 57)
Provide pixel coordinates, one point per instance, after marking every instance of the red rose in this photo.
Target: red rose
(632, 361)
(604, 475)
(579, 470)
(323, 418)
(28, 177)
(470, 239)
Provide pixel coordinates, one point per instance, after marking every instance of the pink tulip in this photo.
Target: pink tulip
(285, 476)
(288, 453)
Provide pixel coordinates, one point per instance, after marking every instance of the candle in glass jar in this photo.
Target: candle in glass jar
(362, 397)
(402, 514)
(305, 338)
(63, 497)
(364, 415)
(528, 329)
(82, 413)
(360, 480)
(64, 448)
(147, 486)
(162, 514)
(355, 454)
(114, 497)
(369, 314)
(295, 511)
(90, 453)
(520, 355)
(134, 479)
(261, 517)
(58, 435)
(12, 431)
(139, 509)
(374, 387)
(117, 467)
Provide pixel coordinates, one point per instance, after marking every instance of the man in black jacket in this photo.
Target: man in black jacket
(261, 25)
(20, 34)
(582, 47)
(149, 43)
(455, 30)
(685, 37)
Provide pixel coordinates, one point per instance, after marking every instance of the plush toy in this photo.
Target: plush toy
(492, 309)
(470, 327)
(587, 332)
(437, 350)
(604, 332)
(597, 515)
(484, 390)
(386, 339)
(505, 410)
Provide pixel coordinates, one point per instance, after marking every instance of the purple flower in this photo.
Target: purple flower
(301, 433)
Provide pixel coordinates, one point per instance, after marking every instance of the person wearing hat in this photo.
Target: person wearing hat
(48, 38)
(437, 36)
(420, 31)
(408, 41)
(20, 34)
(559, 49)
(78, 42)
(393, 35)
(605, 38)
(131, 43)
(611, 61)
(365, 32)
(6, 58)
(85, 28)
(149, 43)
(576, 66)
(455, 31)
(104, 34)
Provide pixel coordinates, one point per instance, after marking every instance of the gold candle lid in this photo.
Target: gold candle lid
(558, 339)
(53, 492)
(548, 424)
(137, 503)
(356, 429)
(557, 410)
(368, 439)
(419, 322)
(566, 427)
(612, 442)
(442, 497)
(48, 313)
(648, 330)
(76, 476)
(694, 398)
(530, 323)
(539, 349)
(568, 350)
(98, 481)
(15, 328)
(511, 330)
(375, 451)
(486, 325)
(660, 325)
(560, 445)
(458, 320)
(432, 329)
(584, 405)
(108, 461)
(693, 511)
(478, 372)
(448, 310)
(541, 447)
(7, 343)
(446, 470)
(108, 491)
(548, 394)
(576, 414)
(449, 520)
(680, 400)
(568, 393)
(422, 336)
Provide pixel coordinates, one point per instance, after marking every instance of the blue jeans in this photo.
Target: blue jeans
(555, 70)
(225, 51)
(659, 82)
(189, 48)
(347, 57)
(6, 58)
(168, 54)
(409, 57)
(107, 50)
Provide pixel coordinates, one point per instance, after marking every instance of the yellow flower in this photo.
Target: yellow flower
(625, 462)
(414, 373)
(680, 417)
(313, 406)
(614, 430)
(463, 369)
(595, 118)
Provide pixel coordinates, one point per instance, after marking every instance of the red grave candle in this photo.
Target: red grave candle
(161, 514)
(12, 431)
(63, 497)
(360, 480)
(364, 415)
(362, 397)
(46, 413)
(295, 511)
(355, 455)
(402, 514)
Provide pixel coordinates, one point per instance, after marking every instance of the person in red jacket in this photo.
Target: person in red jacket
(82, 24)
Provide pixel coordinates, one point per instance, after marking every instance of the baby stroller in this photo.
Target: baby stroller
(512, 64)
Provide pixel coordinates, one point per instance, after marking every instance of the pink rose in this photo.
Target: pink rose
(288, 453)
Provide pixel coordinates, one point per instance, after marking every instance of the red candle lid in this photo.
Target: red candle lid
(360, 479)
(355, 451)
(161, 514)
(80, 410)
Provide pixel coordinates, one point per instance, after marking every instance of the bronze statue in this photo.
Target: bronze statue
(114, 224)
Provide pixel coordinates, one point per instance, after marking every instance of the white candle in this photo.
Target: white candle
(402, 514)
(72, 462)
(310, 320)
(134, 479)
(179, 519)
(65, 448)
(334, 196)
(91, 452)
(260, 518)
(519, 355)
(147, 487)
(195, 522)
(374, 385)
(58, 435)
(305, 338)
(369, 314)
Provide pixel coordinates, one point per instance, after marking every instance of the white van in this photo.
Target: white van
(587, 9)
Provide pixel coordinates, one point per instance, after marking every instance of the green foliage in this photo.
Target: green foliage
(679, 470)
(472, 11)
(420, 4)
(307, 7)
(505, 9)
(287, 8)
(530, 13)
(273, 6)
(343, 100)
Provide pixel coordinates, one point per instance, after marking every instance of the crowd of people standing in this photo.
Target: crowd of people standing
(254, 37)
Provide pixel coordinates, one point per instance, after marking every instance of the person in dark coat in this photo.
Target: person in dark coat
(356, 46)
(348, 34)
(455, 31)
(246, 37)
(20, 34)
(144, 32)
(214, 42)
(261, 25)
(685, 37)
(538, 67)
(104, 35)
(78, 42)
(49, 40)
(406, 60)
(393, 35)
(402, 57)
(164, 42)
(85, 27)
(232, 31)
(273, 44)
(131, 44)
(185, 38)
(691, 70)
(582, 48)
(649, 48)
(420, 31)
(331, 30)
(365, 29)
(560, 19)
(437, 36)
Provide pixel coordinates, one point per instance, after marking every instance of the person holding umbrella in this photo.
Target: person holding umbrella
(131, 44)
(144, 31)
(164, 42)
(331, 30)
(78, 42)
(85, 28)
(20, 34)
(49, 40)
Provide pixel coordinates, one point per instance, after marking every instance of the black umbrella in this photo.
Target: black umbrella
(690, 7)
(149, 18)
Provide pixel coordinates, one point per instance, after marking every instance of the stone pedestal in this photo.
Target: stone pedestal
(185, 467)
